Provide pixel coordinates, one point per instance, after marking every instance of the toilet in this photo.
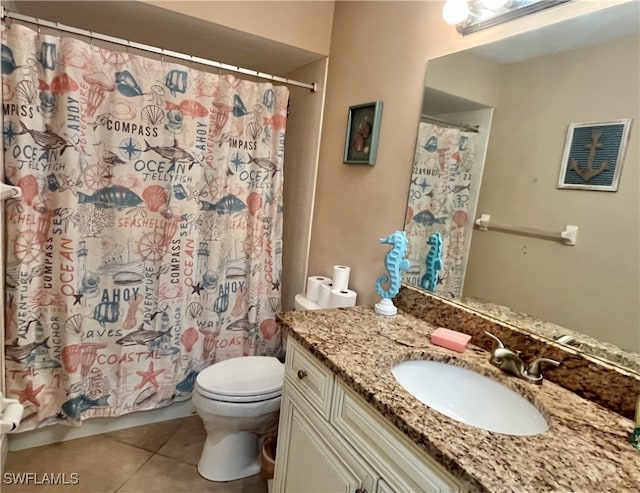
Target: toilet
(239, 402)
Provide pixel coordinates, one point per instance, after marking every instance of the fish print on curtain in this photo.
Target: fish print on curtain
(147, 244)
(439, 202)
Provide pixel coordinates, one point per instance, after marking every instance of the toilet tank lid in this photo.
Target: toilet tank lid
(243, 376)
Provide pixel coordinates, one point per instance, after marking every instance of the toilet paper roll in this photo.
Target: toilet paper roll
(325, 295)
(341, 298)
(313, 287)
(11, 417)
(341, 277)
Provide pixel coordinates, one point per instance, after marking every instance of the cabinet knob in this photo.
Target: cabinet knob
(301, 375)
(361, 490)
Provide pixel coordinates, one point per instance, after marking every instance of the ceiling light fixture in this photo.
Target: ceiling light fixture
(473, 15)
(455, 11)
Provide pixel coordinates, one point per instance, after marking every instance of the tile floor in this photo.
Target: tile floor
(154, 458)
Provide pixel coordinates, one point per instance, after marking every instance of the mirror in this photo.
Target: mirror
(492, 142)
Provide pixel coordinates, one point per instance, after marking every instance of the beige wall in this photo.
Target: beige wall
(378, 51)
(306, 25)
(593, 287)
(272, 37)
(302, 144)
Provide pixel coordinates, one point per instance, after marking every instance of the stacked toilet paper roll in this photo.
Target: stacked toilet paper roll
(331, 293)
(341, 277)
(325, 295)
(313, 287)
(341, 298)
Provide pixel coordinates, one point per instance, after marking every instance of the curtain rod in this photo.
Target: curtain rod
(461, 126)
(152, 49)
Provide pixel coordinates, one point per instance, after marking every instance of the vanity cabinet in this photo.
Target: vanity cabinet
(331, 440)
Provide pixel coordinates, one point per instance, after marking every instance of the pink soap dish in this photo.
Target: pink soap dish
(450, 339)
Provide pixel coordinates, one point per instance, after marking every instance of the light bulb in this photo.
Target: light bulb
(455, 11)
(494, 4)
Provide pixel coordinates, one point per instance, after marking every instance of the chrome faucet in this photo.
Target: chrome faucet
(510, 361)
(567, 339)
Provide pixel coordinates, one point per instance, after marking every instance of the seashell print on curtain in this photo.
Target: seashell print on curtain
(440, 202)
(148, 241)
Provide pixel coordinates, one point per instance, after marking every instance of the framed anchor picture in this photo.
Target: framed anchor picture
(593, 155)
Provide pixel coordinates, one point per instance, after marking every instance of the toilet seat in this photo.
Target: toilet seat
(242, 380)
(239, 399)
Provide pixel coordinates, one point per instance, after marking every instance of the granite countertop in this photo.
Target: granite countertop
(585, 449)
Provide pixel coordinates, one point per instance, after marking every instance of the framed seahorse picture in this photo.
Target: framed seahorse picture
(593, 155)
(363, 133)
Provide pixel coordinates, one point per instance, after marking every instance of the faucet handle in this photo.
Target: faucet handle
(534, 369)
(500, 344)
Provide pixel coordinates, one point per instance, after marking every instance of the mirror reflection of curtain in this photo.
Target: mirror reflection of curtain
(440, 200)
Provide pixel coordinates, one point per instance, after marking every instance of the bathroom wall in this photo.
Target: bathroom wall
(306, 25)
(274, 37)
(302, 146)
(378, 52)
(604, 266)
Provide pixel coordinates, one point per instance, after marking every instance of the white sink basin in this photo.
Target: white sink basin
(469, 397)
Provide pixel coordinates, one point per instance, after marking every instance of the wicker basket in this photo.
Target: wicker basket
(268, 455)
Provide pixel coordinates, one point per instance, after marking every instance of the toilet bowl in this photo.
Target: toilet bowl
(239, 402)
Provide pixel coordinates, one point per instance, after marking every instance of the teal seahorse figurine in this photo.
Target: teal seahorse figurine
(395, 263)
(433, 262)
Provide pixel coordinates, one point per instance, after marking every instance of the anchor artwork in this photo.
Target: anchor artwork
(593, 155)
(148, 241)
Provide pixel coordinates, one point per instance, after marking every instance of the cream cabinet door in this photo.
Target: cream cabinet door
(310, 457)
(401, 465)
(383, 487)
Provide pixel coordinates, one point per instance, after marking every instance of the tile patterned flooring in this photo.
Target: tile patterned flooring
(154, 458)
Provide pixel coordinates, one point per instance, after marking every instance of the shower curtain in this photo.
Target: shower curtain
(440, 201)
(148, 241)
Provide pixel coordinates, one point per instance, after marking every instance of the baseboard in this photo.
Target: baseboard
(97, 426)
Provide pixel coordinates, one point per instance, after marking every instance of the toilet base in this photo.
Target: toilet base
(226, 457)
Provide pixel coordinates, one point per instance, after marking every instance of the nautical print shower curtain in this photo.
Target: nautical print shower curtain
(444, 175)
(148, 240)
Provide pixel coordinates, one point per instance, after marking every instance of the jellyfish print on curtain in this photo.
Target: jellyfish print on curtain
(147, 244)
(440, 201)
